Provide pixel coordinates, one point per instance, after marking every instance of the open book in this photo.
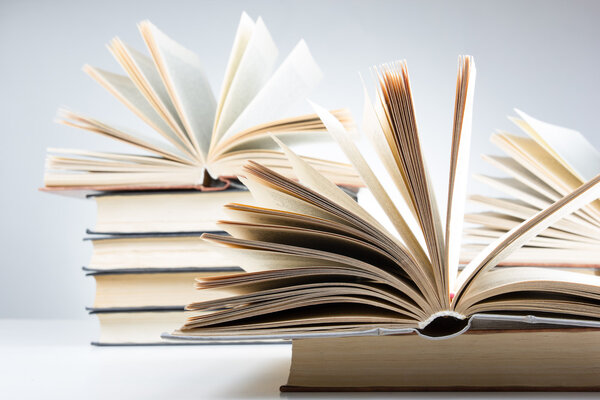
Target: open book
(319, 264)
(196, 136)
(543, 166)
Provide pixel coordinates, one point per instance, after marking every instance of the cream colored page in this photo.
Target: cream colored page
(253, 71)
(271, 198)
(377, 128)
(539, 241)
(309, 238)
(265, 216)
(569, 147)
(320, 258)
(130, 158)
(242, 37)
(263, 141)
(187, 85)
(531, 279)
(361, 267)
(292, 81)
(538, 161)
(252, 260)
(125, 90)
(530, 275)
(459, 172)
(314, 180)
(110, 179)
(337, 130)
(520, 210)
(143, 72)
(518, 236)
(556, 258)
(516, 189)
(525, 193)
(65, 164)
(520, 173)
(506, 223)
(138, 139)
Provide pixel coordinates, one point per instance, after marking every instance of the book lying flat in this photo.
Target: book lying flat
(144, 327)
(481, 359)
(155, 251)
(135, 327)
(546, 164)
(150, 288)
(319, 264)
(195, 136)
(162, 211)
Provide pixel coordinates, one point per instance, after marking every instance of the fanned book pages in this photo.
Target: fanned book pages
(540, 168)
(197, 138)
(319, 264)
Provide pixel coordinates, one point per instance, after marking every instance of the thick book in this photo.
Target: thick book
(150, 288)
(487, 359)
(122, 327)
(163, 211)
(195, 137)
(320, 264)
(541, 166)
(167, 211)
(143, 327)
(162, 251)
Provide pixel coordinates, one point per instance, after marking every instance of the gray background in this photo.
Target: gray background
(539, 56)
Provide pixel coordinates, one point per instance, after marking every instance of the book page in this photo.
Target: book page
(292, 81)
(518, 209)
(337, 130)
(143, 73)
(269, 197)
(242, 37)
(536, 282)
(569, 147)
(459, 165)
(527, 194)
(262, 216)
(309, 177)
(302, 129)
(585, 261)
(542, 164)
(129, 158)
(516, 189)
(537, 160)
(377, 128)
(507, 222)
(518, 236)
(520, 173)
(253, 70)
(396, 95)
(392, 278)
(188, 86)
(538, 241)
(137, 139)
(125, 90)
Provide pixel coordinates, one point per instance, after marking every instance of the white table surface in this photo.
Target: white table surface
(52, 359)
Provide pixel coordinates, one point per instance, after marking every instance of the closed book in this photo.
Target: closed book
(151, 288)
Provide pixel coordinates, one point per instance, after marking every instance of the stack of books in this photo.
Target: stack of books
(153, 206)
(146, 255)
(363, 303)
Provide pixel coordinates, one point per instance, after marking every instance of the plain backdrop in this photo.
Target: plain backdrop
(539, 56)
